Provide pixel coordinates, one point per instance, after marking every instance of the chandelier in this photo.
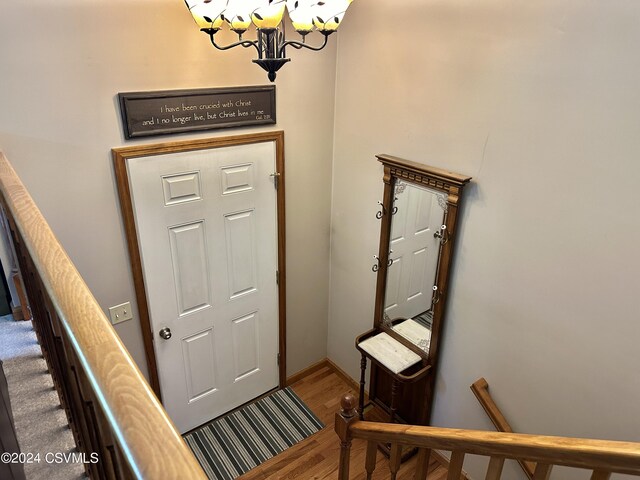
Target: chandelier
(266, 15)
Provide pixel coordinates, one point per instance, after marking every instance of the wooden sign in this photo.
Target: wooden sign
(177, 111)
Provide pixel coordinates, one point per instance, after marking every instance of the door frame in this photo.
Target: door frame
(120, 158)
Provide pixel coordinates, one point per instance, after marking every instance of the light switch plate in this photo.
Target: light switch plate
(120, 313)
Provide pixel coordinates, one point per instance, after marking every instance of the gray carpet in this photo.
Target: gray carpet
(235, 443)
(41, 424)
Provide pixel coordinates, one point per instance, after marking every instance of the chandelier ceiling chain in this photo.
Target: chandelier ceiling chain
(270, 43)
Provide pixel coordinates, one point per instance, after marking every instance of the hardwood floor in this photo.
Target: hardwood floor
(316, 457)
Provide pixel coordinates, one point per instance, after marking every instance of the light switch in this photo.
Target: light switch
(120, 313)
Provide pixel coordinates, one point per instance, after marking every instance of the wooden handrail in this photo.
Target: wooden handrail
(95, 375)
(618, 457)
(480, 389)
(601, 456)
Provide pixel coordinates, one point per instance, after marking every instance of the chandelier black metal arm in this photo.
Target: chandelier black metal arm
(299, 45)
(270, 46)
(242, 43)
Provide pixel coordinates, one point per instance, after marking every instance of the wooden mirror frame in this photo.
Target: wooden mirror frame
(450, 184)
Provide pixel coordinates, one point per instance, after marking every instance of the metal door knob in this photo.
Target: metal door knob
(165, 333)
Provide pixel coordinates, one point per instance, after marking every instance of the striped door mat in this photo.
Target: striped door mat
(234, 444)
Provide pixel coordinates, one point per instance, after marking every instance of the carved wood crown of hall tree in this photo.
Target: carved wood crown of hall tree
(425, 175)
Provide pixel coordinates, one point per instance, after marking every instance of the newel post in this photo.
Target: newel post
(343, 419)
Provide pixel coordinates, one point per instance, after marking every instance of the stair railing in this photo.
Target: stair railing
(480, 389)
(601, 457)
(117, 421)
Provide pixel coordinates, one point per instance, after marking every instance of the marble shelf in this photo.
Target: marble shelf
(389, 352)
(417, 334)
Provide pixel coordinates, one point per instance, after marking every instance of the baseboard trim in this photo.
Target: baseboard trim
(343, 375)
(17, 313)
(324, 363)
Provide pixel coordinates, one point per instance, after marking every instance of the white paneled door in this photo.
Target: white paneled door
(207, 232)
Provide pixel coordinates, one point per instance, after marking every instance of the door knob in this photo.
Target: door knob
(165, 333)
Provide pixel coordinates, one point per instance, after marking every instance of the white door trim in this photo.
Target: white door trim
(120, 158)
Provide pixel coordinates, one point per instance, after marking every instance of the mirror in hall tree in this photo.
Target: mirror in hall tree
(418, 214)
(418, 231)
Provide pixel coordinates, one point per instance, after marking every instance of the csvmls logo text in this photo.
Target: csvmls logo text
(72, 457)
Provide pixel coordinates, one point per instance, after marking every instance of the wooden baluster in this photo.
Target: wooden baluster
(25, 311)
(44, 318)
(494, 471)
(59, 357)
(422, 463)
(455, 465)
(363, 369)
(116, 465)
(370, 462)
(77, 407)
(600, 475)
(395, 458)
(35, 296)
(107, 457)
(28, 285)
(342, 421)
(91, 416)
(39, 312)
(542, 471)
(71, 398)
(123, 467)
(89, 444)
(96, 440)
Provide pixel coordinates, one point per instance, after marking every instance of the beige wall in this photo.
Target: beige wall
(63, 64)
(539, 102)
